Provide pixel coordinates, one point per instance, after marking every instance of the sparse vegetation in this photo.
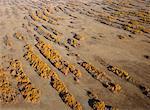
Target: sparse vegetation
(8, 94)
(26, 88)
(74, 54)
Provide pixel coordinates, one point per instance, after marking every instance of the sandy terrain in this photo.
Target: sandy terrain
(74, 54)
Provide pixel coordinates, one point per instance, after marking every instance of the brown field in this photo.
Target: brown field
(74, 54)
